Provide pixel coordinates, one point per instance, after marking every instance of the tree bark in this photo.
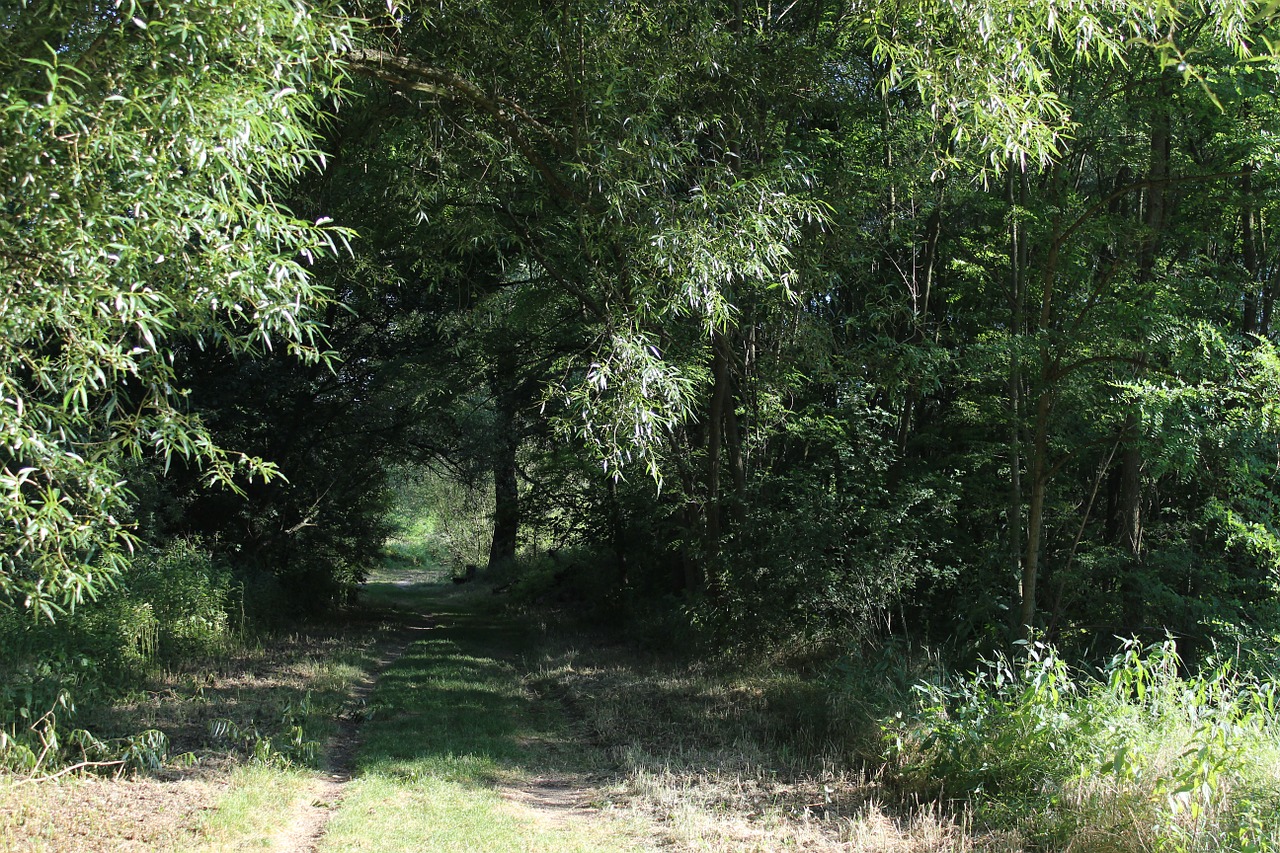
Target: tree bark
(1018, 256)
(1130, 527)
(1039, 476)
(715, 442)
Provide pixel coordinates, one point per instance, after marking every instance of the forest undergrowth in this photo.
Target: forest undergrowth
(162, 717)
(747, 749)
(886, 749)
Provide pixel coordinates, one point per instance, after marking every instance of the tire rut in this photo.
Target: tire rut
(307, 829)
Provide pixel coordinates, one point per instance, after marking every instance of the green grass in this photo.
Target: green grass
(248, 814)
(451, 729)
(510, 729)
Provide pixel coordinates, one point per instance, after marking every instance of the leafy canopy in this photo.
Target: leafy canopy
(141, 150)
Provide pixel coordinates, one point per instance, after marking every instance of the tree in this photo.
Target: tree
(144, 146)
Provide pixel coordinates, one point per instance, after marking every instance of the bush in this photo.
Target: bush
(1169, 761)
(190, 597)
(169, 604)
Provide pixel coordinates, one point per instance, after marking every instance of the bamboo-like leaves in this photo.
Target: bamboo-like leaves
(142, 148)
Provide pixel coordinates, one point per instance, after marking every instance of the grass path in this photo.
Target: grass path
(457, 754)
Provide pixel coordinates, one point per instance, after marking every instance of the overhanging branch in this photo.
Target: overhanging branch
(405, 73)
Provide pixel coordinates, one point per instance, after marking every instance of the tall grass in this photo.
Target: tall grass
(1139, 756)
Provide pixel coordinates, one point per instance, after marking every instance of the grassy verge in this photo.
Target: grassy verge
(500, 729)
(744, 752)
(244, 732)
(1139, 757)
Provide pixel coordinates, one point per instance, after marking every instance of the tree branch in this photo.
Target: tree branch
(1064, 370)
(63, 772)
(406, 73)
(1125, 190)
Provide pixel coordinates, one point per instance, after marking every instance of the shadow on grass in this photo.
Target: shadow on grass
(274, 698)
(454, 705)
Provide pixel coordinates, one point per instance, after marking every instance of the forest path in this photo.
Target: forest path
(306, 827)
(455, 752)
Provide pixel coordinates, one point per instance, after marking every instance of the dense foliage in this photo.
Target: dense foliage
(144, 145)
(816, 320)
(953, 320)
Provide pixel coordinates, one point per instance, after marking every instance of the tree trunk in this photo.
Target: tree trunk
(1018, 255)
(1035, 514)
(690, 577)
(1131, 462)
(618, 534)
(506, 505)
(1130, 521)
(1157, 176)
(506, 488)
(1248, 225)
(715, 442)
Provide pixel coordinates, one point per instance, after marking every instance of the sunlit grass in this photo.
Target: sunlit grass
(453, 729)
(254, 809)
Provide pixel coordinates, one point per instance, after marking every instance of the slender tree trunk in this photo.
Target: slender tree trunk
(1268, 306)
(1131, 461)
(1131, 497)
(1038, 461)
(618, 534)
(1248, 226)
(506, 488)
(933, 233)
(690, 579)
(1017, 266)
(732, 428)
(922, 286)
(715, 442)
(733, 438)
(1039, 476)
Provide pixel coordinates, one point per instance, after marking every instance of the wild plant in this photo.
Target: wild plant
(168, 604)
(1186, 762)
(287, 743)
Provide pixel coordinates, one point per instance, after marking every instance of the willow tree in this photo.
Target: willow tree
(142, 148)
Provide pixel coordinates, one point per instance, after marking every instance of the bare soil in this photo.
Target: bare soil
(553, 800)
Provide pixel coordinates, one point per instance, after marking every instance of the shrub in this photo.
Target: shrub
(1169, 761)
(170, 603)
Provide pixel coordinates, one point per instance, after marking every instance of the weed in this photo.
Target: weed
(1029, 741)
(285, 744)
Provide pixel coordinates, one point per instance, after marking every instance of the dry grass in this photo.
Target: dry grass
(251, 687)
(759, 758)
(104, 814)
(208, 794)
(736, 761)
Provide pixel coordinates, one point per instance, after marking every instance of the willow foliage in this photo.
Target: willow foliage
(142, 148)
